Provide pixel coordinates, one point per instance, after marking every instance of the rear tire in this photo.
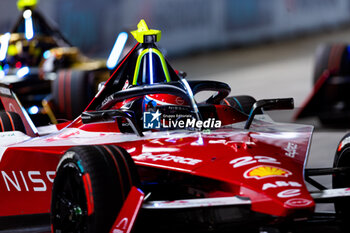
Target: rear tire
(243, 103)
(329, 57)
(333, 96)
(72, 91)
(321, 61)
(91, 185)
(11, 121)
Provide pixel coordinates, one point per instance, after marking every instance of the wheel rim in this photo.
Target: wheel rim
(69, 205)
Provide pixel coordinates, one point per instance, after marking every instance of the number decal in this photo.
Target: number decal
(246, 160)
(239, 162)
(266, 159)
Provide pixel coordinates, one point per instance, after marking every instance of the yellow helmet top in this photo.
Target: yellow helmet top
(22, 4)
(142, 32)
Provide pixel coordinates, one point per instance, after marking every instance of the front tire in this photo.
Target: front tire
(91, 185)
(342, 180)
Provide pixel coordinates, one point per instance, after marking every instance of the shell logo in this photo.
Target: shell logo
(262, 171)
(298, 202)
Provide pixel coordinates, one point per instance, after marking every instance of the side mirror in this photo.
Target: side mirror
(269, 104)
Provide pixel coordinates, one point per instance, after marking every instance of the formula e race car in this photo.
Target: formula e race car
(329, 99)
(146, 155)
(45, 70)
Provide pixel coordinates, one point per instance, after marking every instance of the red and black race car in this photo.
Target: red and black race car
(329, 99)
(146, 155)
(45, 70)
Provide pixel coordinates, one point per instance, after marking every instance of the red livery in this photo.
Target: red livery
(146, 153)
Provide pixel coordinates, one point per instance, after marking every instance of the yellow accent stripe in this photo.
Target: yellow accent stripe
(162, 60)
(137, 67)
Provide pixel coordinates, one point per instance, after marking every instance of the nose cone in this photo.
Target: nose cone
(280, 195)
(264, 169)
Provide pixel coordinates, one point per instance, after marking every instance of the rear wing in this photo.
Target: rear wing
(10, 103)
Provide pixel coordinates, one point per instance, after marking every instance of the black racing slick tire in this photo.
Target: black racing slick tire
(243, 103)
(90, 187)
(72, 91)
(342, 180)
(321, 61)
(329, 57)
(11, 121)
(332, 99)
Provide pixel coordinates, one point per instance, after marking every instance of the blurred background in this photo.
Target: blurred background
(246, 43)
(188, 25)
(225, 38)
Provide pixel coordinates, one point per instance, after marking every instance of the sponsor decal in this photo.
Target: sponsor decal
(12, 108)
(168, 157)
(179, 101)
(225, 142)
(291, 149)
(8, 134)
(297, 202)
(154, 120)
(67, 155)
(18, 181)
(289, 193)
(122, 225)
(63, 136)
(262, 172)
(126, 85)
(279, 184)
(5, 91)
(105, 101)
(246, 160)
